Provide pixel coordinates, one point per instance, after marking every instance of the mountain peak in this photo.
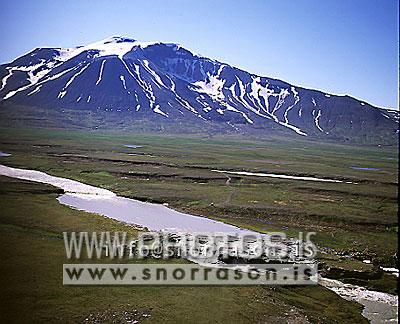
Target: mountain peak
(161, 80)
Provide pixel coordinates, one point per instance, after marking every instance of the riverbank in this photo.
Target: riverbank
(31, 226)
(351, 221)
(378, 306)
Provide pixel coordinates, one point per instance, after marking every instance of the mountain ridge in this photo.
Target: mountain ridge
(120, 74)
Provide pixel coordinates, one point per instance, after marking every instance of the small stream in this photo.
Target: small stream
(281, 176)
(379, 307)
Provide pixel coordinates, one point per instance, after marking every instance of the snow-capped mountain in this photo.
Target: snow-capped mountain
(168, 82)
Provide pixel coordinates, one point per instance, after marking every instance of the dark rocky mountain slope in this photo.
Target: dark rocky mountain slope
(165, 83)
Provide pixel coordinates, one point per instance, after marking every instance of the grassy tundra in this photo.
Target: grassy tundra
(357, 219)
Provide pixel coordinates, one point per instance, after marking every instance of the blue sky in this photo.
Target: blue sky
(339, 46)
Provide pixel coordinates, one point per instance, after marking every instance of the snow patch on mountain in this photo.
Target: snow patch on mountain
(168, 80)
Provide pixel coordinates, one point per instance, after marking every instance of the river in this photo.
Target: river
(378, 307)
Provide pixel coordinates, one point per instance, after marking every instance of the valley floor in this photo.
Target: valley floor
(353, 221)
